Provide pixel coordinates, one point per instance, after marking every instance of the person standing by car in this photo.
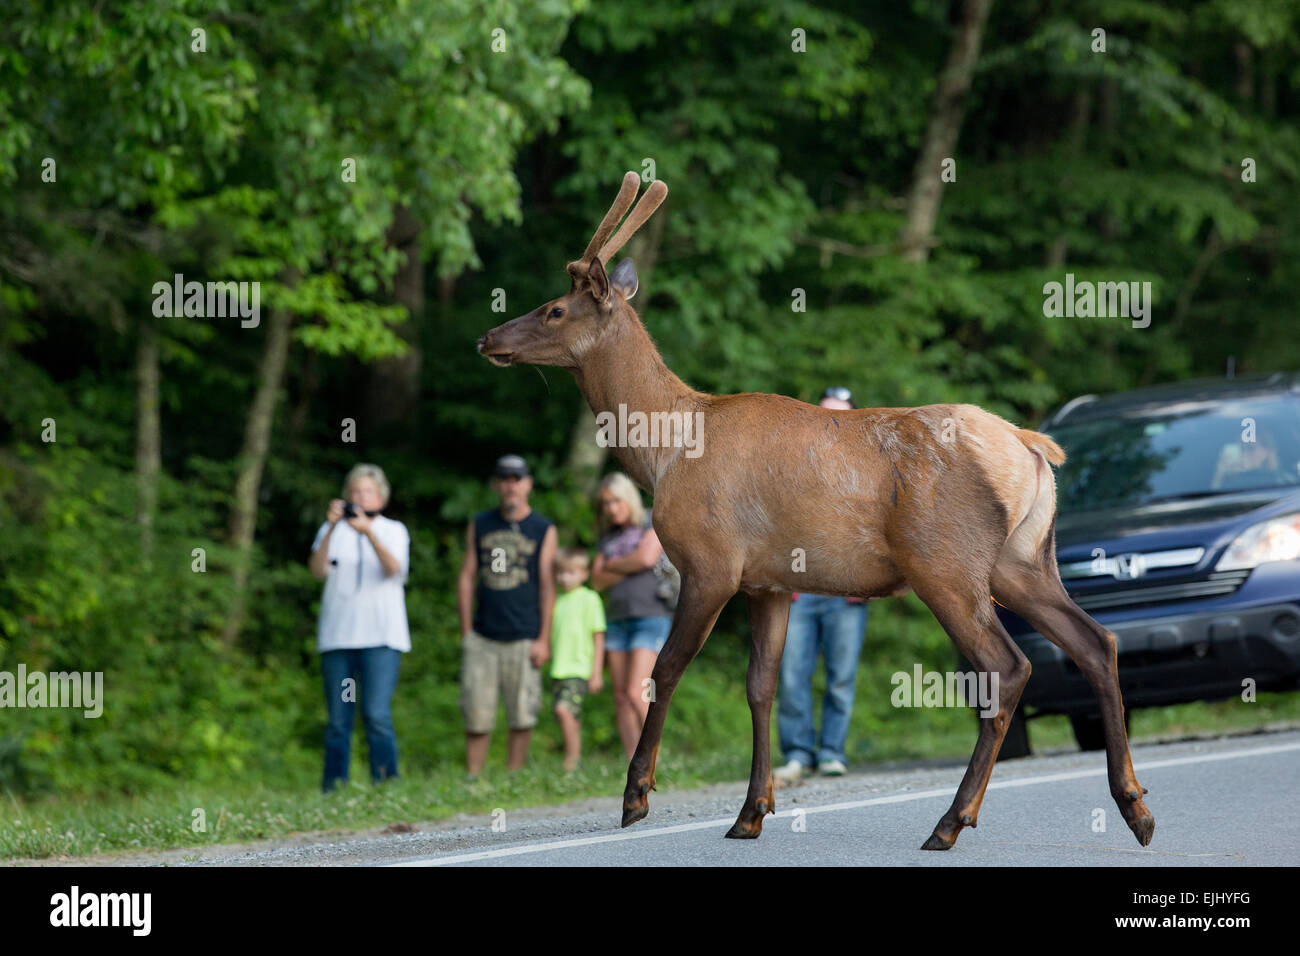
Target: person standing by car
(833, 627)
(362, 634)
(638, 617)
(506, 597)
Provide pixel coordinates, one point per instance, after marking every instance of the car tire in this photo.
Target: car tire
(1088, 730)
(1016, 742)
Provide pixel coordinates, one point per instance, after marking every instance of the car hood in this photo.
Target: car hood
(1169, 524)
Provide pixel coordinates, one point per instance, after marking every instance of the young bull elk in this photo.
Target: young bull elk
(948, 500)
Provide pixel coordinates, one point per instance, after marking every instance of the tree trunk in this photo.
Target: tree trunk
(394, 386)
(586, 458)
(1109, 119)
(252, 460)
(306, 396)
(941, 134)
(1268, 83)
(148, 437)
(1059, 248)
(1245, 56)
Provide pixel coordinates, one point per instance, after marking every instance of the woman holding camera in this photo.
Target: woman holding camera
(363, 557)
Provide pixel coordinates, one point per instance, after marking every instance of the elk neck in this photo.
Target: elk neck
(624, 368)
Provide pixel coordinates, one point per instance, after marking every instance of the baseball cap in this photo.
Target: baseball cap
(511, 465)
(839, 393)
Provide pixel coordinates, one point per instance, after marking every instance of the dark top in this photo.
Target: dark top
(508, 594)
(635, 596)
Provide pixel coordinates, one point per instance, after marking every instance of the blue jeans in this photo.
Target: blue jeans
(375, 671)
(637, 633)
(833, 627)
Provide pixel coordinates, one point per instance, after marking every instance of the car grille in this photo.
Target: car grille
(1211, 585)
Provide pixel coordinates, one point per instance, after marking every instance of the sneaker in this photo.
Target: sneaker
(792, 772)
(832, 768)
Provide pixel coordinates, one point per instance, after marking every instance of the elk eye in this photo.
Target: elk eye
(556, 312)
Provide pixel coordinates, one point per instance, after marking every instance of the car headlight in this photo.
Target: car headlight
(1277, 539)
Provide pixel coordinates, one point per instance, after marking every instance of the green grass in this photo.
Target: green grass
(240, 813)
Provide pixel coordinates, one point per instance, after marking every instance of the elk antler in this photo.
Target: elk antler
(649, 203)
(627, 192)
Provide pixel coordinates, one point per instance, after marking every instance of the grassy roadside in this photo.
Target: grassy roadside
(237, 812)
(240, 813)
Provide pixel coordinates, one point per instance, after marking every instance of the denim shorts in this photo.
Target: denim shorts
(637, 634)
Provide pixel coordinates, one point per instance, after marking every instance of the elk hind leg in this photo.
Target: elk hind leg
(975, 630)
(1035, 592)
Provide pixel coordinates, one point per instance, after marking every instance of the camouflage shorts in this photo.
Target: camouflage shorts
(569, 693)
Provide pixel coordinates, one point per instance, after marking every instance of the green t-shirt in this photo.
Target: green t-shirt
(578, 616)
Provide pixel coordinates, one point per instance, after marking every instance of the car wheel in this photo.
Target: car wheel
(1016, 742)
(1088, 730)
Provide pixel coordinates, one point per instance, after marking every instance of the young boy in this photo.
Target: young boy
(577, 646)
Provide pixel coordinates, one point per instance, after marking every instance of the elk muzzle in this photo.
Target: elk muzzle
(490, 351)
(501, 345)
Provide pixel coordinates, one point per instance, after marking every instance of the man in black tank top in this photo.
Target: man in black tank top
(506, 592)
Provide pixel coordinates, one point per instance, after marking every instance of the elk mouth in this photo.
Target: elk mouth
(499, 359)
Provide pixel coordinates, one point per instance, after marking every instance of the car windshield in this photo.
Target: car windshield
(1186, 450)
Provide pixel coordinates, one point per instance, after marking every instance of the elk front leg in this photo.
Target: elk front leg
(697, 610)
(768, 615)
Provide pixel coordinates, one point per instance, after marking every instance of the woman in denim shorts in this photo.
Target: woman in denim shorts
(637, 619)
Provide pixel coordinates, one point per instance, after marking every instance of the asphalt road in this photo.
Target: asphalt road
(1229, 801)
(1219, 801)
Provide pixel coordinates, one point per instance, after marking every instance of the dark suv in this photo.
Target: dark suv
(1178, 528)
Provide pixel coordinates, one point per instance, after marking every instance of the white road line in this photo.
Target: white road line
(831, 807)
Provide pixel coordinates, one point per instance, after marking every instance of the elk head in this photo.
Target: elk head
(561, 331)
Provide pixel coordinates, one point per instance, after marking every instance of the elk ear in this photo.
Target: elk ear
(598, 282)
(623, 278)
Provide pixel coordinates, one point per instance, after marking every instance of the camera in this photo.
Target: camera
(350, 511)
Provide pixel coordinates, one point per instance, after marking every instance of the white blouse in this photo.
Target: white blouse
(362, 607)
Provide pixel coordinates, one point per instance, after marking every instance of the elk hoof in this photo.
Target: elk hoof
(1143, 827)
(740, 830)
(936, 842)
(1138, 817)
(635, 812)
(967, 820)
(635, 804)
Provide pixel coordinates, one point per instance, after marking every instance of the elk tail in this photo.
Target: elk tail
(1037, 441)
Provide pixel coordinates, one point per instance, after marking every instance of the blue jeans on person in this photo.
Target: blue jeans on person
(637, 633)
(375, 671)
(834, 628)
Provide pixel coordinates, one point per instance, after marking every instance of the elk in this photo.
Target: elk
(949, 501)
